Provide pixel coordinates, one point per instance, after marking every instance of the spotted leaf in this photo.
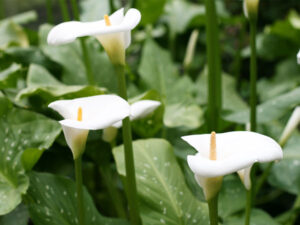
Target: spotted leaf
(20, 130)
(164, 196)
(53, 202)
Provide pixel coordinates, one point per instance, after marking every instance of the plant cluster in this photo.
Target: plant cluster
(143, 114)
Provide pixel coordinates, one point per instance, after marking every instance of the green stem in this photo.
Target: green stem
(112, 190)
(64, 10)
(131, 189)
(49, 11)
(248, 207)
(75, 10)
(79, 189)
(172, 44)
(112, 6)
(253, 75)
(213, 210)
(238, 57)
(86, 58)
(214, 66)
(87, 63)
(253, 101)
(2, 9)
(263, 177)
(132, 3)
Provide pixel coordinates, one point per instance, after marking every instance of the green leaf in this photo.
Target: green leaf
(29, 55)
(12, 34)
(159, 73)
(177, 16)
(269, 110)
(19, 216)
(265, 47)
(20, 130)
(150, 9)
(43, 86)
(285, 79)
(30, 157)
(258, 217)
(288, 28)
(22, 18)
(157, 69)
(281, 172)
(183, 115)
(232, 101)
(232, 197)
(52, 201)
(164, 196)
(8, 77)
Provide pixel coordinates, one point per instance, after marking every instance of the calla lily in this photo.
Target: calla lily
(298, 57)
(89, 113)
(138, 110)
(290, 126)
(221, 154)
(251, 9)
(114, 32)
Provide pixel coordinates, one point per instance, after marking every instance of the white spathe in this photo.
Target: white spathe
(138, 110)
(115, 38)
(298, 57)
(290, 126)
(68, 31)
(236, 152)
(98, 112)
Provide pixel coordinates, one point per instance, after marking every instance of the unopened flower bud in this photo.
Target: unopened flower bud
(251, 9)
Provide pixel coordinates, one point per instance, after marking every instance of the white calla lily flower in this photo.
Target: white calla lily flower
(221, 154)
(88, 113)
(298, 57)
(290, 126)
(114, 32)
(138, 110)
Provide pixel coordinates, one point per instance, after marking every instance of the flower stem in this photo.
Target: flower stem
(113, 192)
(253, 75)
(214, 66)
(263, 177)
(64, 10)
(248, 207)
(86, 58)
(132, 3)
(87, 62)
(213, 210)
(49, 11)
(78, 174)
(112, 6)
(2, 9)
(131, 189)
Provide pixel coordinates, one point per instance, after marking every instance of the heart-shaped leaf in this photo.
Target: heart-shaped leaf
(164, 196)
(52, 201)
(20, 130)
(43, 86)
(269, 110)
(159, 73)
